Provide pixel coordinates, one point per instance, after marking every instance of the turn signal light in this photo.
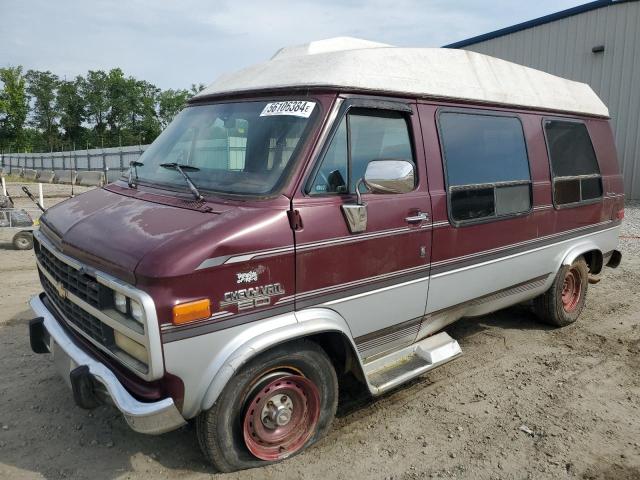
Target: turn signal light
(191, 311)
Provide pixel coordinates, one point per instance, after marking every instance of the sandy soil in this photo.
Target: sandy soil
(525, 401)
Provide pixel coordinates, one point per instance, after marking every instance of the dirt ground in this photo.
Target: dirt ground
(524, 402)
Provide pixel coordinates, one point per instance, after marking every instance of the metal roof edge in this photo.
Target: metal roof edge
(535, 22)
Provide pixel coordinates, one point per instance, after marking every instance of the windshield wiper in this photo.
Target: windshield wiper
(133, 168)
(181, 169)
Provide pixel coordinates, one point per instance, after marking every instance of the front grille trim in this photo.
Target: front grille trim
(151, 336)
(79, 283)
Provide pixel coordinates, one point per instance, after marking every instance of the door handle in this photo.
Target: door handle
(419, 217)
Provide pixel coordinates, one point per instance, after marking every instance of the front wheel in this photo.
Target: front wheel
(23, 241)
(562, 304)
(277, 405)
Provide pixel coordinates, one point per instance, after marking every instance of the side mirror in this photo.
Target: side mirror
(390, 176)
(381, 176)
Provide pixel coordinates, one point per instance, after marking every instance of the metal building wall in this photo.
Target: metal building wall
(563, 47)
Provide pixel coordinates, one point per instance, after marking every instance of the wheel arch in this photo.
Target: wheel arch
(591, 253)
(323, 326)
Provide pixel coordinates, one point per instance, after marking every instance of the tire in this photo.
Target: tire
(562, 304)
(23, 241)
(234, 435)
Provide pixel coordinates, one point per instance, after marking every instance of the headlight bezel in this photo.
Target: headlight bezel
(136, 311)
(120, 301)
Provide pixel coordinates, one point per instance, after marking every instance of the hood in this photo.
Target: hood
(127, 236)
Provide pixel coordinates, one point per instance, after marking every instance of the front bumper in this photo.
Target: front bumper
(90, 379)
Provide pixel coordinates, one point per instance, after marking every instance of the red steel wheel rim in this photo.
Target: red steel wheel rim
(281, 417)
(571, 290)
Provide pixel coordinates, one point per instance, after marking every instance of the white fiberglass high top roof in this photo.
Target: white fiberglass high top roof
(441, 73)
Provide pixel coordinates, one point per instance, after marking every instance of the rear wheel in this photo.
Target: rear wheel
(564, 301)
(23, 241)
(276, 406)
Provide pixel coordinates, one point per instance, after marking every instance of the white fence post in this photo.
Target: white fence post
(41, 195)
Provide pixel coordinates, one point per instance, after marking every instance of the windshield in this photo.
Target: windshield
(244, 148)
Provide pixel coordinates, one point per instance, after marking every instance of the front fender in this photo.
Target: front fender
(205, 363)
(308, 322)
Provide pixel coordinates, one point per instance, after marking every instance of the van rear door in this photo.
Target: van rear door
(377, 279)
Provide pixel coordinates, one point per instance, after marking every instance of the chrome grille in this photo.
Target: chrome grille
(84, 298)
(81, 285)
(86, 322)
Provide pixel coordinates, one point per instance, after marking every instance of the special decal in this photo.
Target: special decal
(247, 277)
(252, 297)
(251, 275)
(295, 108)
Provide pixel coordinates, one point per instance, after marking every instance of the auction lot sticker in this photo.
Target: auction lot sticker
(297, 108)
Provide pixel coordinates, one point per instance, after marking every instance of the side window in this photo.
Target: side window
(574, 168)
(486, 165)
(333, 173)
(362, 136)
(376, 137)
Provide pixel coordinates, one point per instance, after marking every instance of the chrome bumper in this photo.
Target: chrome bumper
(152, 418)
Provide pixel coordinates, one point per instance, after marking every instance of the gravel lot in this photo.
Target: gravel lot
(525, 401)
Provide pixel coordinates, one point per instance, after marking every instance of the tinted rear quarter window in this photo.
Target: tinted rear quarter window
(574, 166)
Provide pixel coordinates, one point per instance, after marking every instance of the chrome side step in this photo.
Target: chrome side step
(389, 371)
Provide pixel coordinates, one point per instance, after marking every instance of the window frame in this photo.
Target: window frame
(349, 104)
(451, 188)
(560, 206)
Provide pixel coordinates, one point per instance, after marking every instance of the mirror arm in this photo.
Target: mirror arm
(358, 195)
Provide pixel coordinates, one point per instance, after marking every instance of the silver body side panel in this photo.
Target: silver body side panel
(378, 309)
(458, 288)
(207, 362)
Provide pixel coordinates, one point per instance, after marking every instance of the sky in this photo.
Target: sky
(176, 43)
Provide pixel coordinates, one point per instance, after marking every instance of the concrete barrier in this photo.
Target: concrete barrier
(65, 176)
(113, 175)
(46, 176)
(91, 179)
(30, 174)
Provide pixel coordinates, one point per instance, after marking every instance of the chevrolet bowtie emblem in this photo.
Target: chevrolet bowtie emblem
(62, 292)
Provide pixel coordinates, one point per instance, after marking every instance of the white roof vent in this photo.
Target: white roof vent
(335, 44)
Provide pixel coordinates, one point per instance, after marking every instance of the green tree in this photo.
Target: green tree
(42, 87)
(144, 124)
(196, 88)
(71, 106)
(119, 93)
(170, 103)
(95, 93)
(14, 107)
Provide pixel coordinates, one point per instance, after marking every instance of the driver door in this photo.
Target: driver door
(377, 279)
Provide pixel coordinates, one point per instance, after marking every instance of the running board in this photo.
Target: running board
(389, 371)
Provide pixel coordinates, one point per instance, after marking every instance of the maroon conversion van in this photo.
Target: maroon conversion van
(326, 213)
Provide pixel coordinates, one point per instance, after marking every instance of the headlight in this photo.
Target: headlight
(137, 312)
(131, 347)
(120, 302)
